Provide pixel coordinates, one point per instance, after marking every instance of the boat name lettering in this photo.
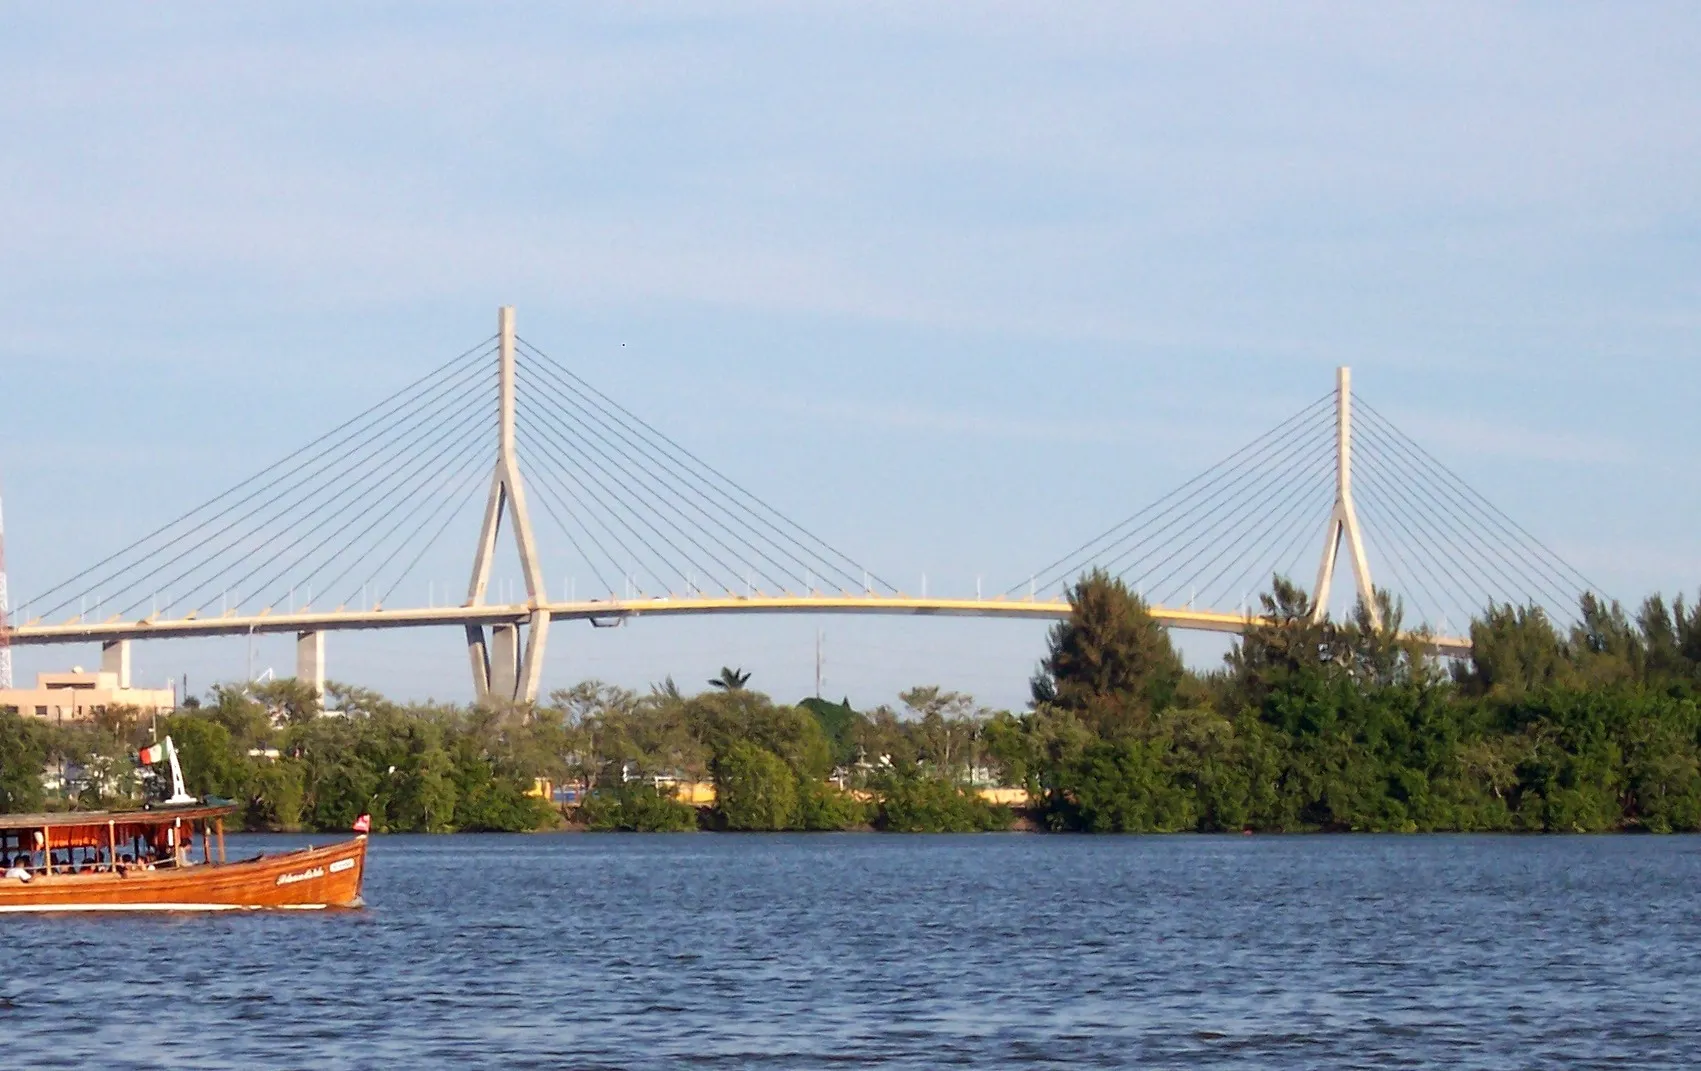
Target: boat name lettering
(341, 865)
(310, 872)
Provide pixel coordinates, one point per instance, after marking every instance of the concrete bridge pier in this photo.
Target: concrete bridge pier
(504, 660)
(505, 666)
(310, 661)
(115, 658)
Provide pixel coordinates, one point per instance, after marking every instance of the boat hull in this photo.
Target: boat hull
(307, 879)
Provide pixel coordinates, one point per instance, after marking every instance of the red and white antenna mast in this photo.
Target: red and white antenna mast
(5, 625)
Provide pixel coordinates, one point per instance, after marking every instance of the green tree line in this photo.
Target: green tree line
(1351, 726)
(1306, 726)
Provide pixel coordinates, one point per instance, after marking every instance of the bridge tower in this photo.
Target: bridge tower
(1343, 518)
(501, 668)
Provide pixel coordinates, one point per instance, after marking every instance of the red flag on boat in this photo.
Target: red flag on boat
(151, 755)
(363, 824)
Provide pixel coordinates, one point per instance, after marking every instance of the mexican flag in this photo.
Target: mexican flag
(151, 755)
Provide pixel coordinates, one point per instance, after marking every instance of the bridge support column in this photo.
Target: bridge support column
(504, 661)
(310, 661)
(478, 652)
(506, 668)
(115, 658)
(531, 667)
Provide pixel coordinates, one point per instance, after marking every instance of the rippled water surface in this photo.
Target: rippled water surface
(808, 951)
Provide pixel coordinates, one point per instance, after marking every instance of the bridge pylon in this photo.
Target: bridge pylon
(1343, 517)
(503, 667)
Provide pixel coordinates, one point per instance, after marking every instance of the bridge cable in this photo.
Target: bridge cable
(1073, 555)
(1211, 493)
(340, 447)
(1472, 543)
(410, 489)
(662, 441)
(540, 482)
(587, 464)
(358, 500)
(1462, 558)
(1425, 555)
(1374, 530)
(323, 439)
(1283, 522)
(347, 462)
(1293, 524)
(1217, 498)
(468, 491)
(681, 475)
(649, 488)
(1462, 535)
(675, 480)
(1305, 469)
(345, 491)
(1467, 496)
(567, 481)
(474, 459)
(634, 562)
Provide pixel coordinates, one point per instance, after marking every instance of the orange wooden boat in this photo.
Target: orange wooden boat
(145, 861)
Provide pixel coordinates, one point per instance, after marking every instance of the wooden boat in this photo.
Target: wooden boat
(144, 861)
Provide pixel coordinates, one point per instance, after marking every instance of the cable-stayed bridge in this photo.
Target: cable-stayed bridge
(506, 442)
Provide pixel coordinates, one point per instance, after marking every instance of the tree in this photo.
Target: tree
(636, 807)
(755, 789)
(1285, 651)
(947, 730)
(289, 700)
(730, 680)
(911, 802)
(1124, 786)
(212, 765)
(1110, 662)
(21, 759)
(1514, 649)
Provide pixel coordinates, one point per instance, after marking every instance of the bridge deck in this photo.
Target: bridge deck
(341, 619)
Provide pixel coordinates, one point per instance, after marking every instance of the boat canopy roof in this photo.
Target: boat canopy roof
(162, 816)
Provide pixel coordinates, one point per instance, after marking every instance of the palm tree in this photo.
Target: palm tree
(730, 680)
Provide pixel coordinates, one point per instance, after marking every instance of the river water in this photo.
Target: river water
(599, 951)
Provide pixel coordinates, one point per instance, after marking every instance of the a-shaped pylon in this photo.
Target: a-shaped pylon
(1343, 518)
(500, 670)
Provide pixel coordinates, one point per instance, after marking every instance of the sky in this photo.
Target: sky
(954, 287)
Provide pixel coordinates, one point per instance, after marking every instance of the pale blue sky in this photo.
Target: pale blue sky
(956, 287)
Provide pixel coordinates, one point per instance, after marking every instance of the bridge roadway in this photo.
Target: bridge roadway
(612, 611)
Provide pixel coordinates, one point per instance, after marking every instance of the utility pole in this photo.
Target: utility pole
(1343, 517)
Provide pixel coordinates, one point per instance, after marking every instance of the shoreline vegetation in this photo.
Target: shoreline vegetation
(1327, 726)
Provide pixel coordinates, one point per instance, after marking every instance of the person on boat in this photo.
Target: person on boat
(17, 870)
